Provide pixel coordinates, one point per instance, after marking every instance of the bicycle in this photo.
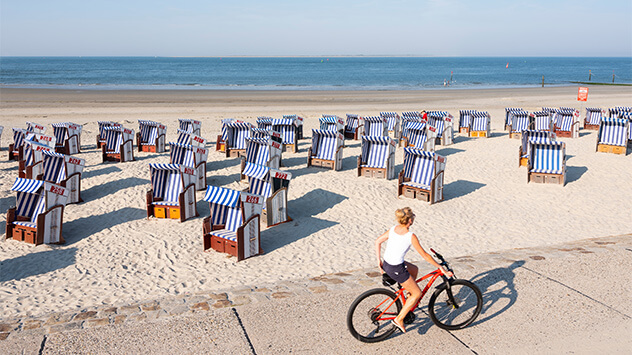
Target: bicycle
(455, 304)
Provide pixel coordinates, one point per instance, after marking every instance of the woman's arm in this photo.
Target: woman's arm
(427, 256)
(378, 249)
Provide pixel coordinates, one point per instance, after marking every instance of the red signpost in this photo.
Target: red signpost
(582, 93)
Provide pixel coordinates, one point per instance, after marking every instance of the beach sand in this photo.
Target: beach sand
(115, 255)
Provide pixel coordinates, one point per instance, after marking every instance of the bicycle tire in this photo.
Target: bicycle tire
(469, 297)
(361, 312)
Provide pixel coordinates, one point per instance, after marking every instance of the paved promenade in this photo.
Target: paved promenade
(568, 298)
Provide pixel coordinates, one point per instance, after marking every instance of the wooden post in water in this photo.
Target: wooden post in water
(542, 80)
(613, 76)
(589, 75)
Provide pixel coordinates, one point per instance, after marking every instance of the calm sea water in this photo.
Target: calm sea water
(335, 73)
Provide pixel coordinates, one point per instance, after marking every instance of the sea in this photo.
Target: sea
(308, 73)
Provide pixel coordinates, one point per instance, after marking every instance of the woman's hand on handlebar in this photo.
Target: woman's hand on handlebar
(447, 273)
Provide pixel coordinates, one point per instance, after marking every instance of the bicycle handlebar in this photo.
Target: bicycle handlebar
(443, 261)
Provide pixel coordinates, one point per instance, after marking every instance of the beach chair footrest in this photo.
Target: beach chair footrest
(541, 178)
(564, 134)
(26, 234)
(478, 134)
(515, 135)
(148, 148)
(416, 193)
(378, 173)
(222, 245)
(236, 153)
(615, 149)
(171, 212)
(464, 130)
(329, 164)
(592, 127)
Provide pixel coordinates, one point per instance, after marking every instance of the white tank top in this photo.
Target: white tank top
(397, 247)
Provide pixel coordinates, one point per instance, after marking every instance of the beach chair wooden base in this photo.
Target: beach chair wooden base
(220, 146)
(147, 148)
(13, 154)
(27, 234)
(235, 153)
(515, 135)
(542, 178)
(222, 245)
(465, 130)
(168, 212)
(615, 149)
(564, 134)
(592, 127)
(378, 173)
(482, 134)
(328, 164)
(291, 147)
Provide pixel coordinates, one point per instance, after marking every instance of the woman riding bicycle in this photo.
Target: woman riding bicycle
(399, 241)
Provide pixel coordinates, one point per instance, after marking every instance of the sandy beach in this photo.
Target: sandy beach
(114, 255)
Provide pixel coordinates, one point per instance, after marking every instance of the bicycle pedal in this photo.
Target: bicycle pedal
(410, 318)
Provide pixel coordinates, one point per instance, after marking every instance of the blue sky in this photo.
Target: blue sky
(325, 27)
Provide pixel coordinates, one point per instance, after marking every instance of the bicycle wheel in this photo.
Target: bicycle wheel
(369, 317)
(443, 312)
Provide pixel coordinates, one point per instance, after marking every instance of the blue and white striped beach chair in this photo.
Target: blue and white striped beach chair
(520, 121)
(67, 136)
(191, 139)
(420, 135)
(189, 125)
(30, 167)
(39, 212)
(119, 144)
(172, 193)
(102, 127)
(628, 116)
(618, 111)
(35, 128)
(64, 170)
(527, 135)
(375, 126)
(354, 127)
(613, 135)
(593, 118)
(393, 123)
(378, 157)
(326, 149)
(191, 157)
(509, 110)
(236, 134)
(272, 185)
(264, 122)
(289, 131)
(152, 137)
(442, 122)
(542, 121)
(465, 117)
(547, 162)
(566, 122)
(261, 151)
(233, 226)
(480, 124)
(422, 176)
(407, 119)
(16, 149)
(298, 122)
(332, 123)
(220, 144)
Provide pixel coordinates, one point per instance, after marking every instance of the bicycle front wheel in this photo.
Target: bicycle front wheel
(369, 317)
(459, 312)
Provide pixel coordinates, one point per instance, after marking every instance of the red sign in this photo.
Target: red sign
(57, 190)
(252, 199)
(276, 145)
(281, 176)
(128, 131)
(72, 126)
(198, 139)
(45, 138)
(582, 93)
(201, 151)
(432, 129)
(189, 171)
(74, 161)
(197, 122)
(440, 159)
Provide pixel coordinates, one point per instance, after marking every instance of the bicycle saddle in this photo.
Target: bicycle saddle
(387, 280)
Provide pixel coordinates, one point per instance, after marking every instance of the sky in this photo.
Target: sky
(315, 28)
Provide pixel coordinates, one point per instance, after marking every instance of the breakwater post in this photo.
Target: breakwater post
(542, 80)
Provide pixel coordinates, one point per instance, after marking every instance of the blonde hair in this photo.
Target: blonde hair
(404, 215)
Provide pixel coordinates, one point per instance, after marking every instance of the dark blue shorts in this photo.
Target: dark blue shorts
(399, 272)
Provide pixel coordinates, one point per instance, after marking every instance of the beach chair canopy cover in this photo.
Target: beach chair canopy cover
(618, 111)
(19, 135)
(417, 133)
(437, 119)
(237, 131)
(541, 120)
(331, 123)
(375, 126)
(508, 111)
(260, 132)
(564, 119)
(258, 150)
(536, 136)
(35, 127)
(34, 151)
(168, 181)
(287, 128)
(115, 136)
(614, 131)
(187, 155)
(193, 139)
(42, 139)
(64, 130)
(325, 143)
(58, 167)
(150, 130)
(189, 125)
(225, 122)
(226, 209)
(411, 115)
(547, 157)
(376, 150)
(35, 197)
(519, 120)
(593, 115)
(480, 121)
(264, 122)
(392, 118)
(464, 117)
(265, 181)
(419, 167)
(298, 120)
(104, 124)
(353, 121)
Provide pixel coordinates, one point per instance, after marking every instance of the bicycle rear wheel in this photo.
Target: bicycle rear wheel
(446, 315)
(369, 317)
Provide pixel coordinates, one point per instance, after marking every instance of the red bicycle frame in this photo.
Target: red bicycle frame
(400, 293)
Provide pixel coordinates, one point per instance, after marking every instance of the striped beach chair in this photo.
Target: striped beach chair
(272, 185)
(233, 226)
(220, 144)
(566, 122)
(189, 138)
(102, 126)
(63, 170)
(172, 193)
(326, 149)
(264, 122)
(480, 124)
(298, 122)
(628, 116)
(509, 110)
(527, 135)
(393, 123)
(547, 162)
(289, 131)
(422, 176)
(613, 135)
(152, 137)
(189, 125)
(16, 148)
(378, 157)
(375, 126)
(542, 121)
(38, 214)
(420, 135)
(520, 121)
(593, 118)
(354, 127)
(332, 123)
(67, 136)
(30, 166)
(261, 151)
(407, 119)
(119, 144)
(618, 111)
(191, 157)
(442, 122)
(35, 128)
(465, 117)
(236, 134)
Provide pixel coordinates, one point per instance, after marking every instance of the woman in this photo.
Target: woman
(400, 238)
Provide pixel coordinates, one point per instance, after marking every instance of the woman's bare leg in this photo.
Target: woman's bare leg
(415, 293)
(412, 269)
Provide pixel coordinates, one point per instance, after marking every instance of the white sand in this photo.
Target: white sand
(114, 255)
